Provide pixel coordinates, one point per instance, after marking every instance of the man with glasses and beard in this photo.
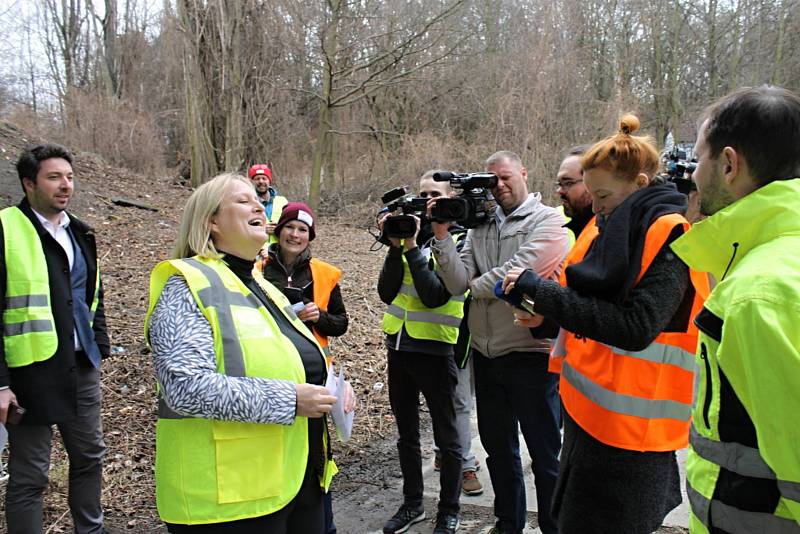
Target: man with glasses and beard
(576, 202)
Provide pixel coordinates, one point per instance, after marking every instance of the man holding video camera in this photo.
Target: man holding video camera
(512, 385)
(421, 325)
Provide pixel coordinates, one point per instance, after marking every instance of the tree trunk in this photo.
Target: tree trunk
(321, 145)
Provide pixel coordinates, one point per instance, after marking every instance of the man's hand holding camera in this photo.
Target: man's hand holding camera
(441, 229)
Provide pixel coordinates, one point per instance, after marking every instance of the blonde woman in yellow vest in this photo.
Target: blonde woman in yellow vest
(311, 285)
(240, 440)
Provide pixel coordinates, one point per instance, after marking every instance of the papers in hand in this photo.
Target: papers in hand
(343, 422)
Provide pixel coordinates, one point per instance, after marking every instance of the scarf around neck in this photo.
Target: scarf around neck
(612, 264)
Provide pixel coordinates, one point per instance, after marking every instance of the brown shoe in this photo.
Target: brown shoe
(471, 485)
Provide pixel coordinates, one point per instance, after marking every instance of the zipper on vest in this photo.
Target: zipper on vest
(707, 398)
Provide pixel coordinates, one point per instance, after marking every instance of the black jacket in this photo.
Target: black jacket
(432, 292)
(333, 321)
(47, 389)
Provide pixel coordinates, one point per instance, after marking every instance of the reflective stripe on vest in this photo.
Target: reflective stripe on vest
(661, 353)
(423, 316)
(635, 400)
(734, 520)
(29, 333)
(625, 404)
(421, 322)
(324, 278)
(210, 471)
(216, 295)
(740, 459)
(411, 291)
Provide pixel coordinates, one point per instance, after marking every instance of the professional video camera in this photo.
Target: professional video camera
(678, 168)
(401, 226)
(474, 204)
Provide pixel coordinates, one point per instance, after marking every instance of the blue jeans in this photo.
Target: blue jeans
(512, 391)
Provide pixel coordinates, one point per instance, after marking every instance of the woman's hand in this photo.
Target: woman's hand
(309, 314)
(511, 278)
(525, 319)
(349, 398)
(313, 401)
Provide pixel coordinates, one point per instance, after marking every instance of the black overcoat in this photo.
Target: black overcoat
(47, 389)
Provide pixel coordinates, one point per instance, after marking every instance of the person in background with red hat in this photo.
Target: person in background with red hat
(311, 285)
(261, 176)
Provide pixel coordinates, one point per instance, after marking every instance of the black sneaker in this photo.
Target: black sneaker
(404, 518)
(446, 524)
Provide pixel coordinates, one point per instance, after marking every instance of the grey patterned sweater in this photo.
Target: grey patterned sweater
(186, 368)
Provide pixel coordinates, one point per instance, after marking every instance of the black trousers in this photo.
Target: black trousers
(515, 391)
(435, 376)
(29, 464)
(304, 514)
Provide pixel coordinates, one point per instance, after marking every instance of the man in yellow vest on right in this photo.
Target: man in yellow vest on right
(743, 468)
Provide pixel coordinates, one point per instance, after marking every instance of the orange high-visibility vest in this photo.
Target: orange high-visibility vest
(635, 400)
(325, 277)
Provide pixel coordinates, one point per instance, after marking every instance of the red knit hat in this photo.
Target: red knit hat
(297, 211)
(260, 168)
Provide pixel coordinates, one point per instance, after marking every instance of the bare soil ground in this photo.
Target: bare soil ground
(131, 241)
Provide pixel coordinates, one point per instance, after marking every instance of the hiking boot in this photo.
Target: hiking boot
(470, 484)
(446, 524)
(404, 518)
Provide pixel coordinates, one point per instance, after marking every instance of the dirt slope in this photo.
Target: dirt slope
(131, 241)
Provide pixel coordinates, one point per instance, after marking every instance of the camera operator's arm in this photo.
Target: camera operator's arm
(430, 288)
(391, 277)
(543, 251)
(455, 269)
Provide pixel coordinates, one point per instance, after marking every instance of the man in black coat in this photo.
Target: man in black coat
(54, 336)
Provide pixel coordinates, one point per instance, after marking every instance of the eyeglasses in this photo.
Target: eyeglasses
(566, 184)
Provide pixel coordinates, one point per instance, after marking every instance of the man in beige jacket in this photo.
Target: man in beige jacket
(512, 385)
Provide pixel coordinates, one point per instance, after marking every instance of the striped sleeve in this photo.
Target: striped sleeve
(186, 368)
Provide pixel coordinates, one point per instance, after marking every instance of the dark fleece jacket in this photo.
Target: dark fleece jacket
(333, 321)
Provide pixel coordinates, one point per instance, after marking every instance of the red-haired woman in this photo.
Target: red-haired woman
(624, 309)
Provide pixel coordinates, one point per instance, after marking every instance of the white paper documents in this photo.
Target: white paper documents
(343, 422)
